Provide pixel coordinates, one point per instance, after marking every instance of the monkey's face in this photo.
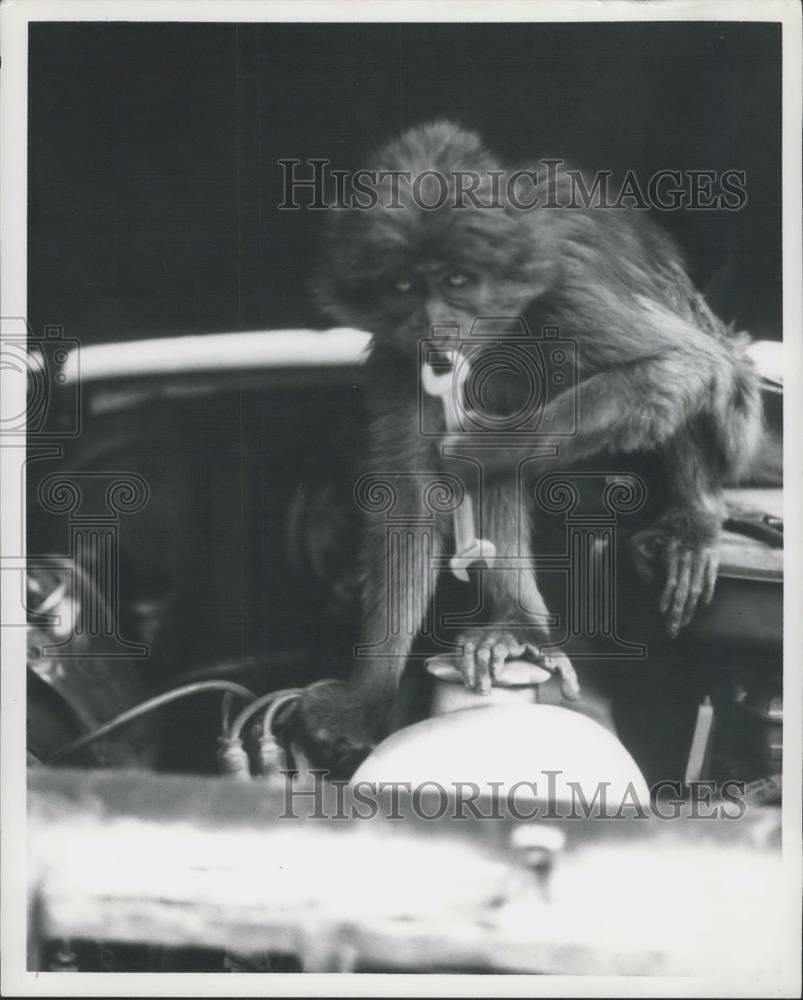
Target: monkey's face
(424, 296)
(399, 270)
(446, 277)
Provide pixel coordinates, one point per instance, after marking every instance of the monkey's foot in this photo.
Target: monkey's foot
(690, 574)
(329, 729)
(486, 651)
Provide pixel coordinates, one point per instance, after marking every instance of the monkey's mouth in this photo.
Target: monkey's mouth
(440, 361)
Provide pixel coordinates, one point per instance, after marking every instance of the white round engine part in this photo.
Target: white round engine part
(518, 684)
(549, 753)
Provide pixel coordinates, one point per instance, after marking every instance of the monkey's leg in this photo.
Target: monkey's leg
(520, 616)
(399, 581)
(684, 544)
(342, 721)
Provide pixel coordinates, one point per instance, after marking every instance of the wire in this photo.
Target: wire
(251, 710)
(216, 671)
(148, 706)
(276, 706)
(225, 712)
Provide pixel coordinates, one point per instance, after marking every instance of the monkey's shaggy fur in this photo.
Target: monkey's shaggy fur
(658, 373)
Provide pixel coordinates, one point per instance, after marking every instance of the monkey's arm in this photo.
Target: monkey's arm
(704, 418)
(677, 390)
(639, 406)
(649, 372)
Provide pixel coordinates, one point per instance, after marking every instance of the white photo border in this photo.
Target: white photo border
(15, 16)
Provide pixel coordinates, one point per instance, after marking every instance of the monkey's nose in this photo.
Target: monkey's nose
(444, 323)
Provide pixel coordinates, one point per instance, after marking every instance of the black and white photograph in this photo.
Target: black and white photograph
(395, 596)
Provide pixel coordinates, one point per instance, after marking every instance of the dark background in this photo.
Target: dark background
(153, 148)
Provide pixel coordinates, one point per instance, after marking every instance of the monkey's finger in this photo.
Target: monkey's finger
(681, 593)
(711, 570)
(696, 585)
(535, 653)
(561, 664)
(468, 666)
(672, 568)
(513, 646)
(483, 660)
(500, 653)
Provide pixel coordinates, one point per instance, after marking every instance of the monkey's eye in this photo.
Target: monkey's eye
(457, 279)
(403, 285)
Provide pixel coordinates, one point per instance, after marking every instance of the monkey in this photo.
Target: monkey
(657, 373)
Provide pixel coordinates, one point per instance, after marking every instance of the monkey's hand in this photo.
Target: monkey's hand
(688, 572)
(487, 650)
